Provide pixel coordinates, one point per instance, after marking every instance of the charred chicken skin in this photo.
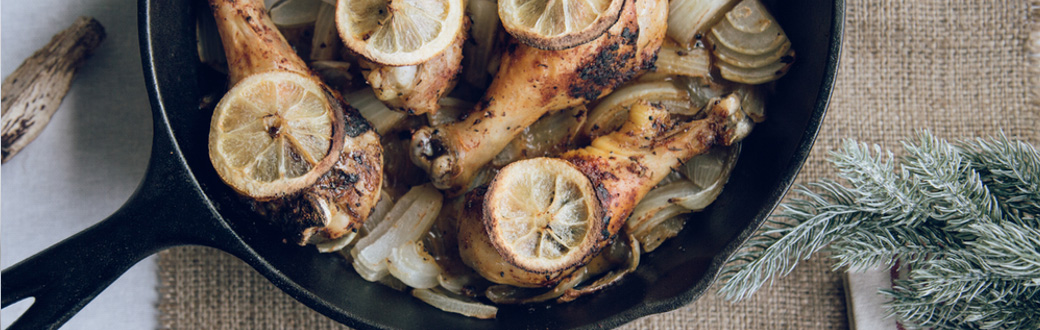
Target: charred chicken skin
(336, 194)
(532, 82)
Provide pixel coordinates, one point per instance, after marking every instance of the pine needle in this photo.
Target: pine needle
(964, 218)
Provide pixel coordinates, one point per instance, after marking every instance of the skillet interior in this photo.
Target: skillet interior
(670, 277)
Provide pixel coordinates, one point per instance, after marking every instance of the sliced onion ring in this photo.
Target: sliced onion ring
(407, 221)
(610, 113)
(455, 304)
(677, 61)
(411, 264)
(725, 35)
(325, 44)
(742, 60)
(688, 18)
(755, 76)
(381, 117)
(750, 16)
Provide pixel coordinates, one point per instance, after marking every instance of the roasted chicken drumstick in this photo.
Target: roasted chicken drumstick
(532, 82)
(284, 140)
(541, 219)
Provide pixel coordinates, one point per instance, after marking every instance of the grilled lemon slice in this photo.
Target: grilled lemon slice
(399, 32)
(273, 134)
(541, 221)
(558, 24)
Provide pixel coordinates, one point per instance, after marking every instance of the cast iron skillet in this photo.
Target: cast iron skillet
(182, 202)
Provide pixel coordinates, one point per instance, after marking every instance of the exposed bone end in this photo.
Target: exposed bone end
(352, 187)
(444, 171)
(430, 154)
(734, 125)
(423, 147)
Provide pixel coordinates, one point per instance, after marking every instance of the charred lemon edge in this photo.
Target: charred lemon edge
(578, 256)
(453, 24)
(267, 191)
(569, 40)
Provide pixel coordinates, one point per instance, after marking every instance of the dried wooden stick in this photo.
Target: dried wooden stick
(32, 94)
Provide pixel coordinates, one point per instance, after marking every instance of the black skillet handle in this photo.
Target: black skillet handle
(168, 209)
(66, 276)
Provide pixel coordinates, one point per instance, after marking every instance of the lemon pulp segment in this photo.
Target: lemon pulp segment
(270, 132)
(399, 32)
(558, 24)
(542, 213)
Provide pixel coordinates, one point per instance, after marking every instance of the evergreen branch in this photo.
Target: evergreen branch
(951, 297)
(963, 219)
(956, 280)
(1010, 250)
(956, 192)
(1010, 169)
(878, 188)
(779, 245)
(870, 245)
(807, 224)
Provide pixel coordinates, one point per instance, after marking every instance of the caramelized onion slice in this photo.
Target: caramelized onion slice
(549, 136)
(758, 75)
(455, 304)
(750, 45)
(626, 250)
(742, 60)
(451, 109)
(610, 113)
(406, 222)
(753, 102)
(750, 17)
(295, 13)
(415, 267)
(725, 35)
(659, 215)
(336, 74)
(325, 44)
(678, 61)
(211, 48)
(381, 117)
(688, 18)
(480, 48)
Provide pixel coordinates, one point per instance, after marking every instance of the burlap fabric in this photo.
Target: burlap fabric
(958, 68)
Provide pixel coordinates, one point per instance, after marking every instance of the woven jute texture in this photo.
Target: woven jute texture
(960, 69)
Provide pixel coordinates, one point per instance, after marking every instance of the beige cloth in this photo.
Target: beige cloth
(957, 68)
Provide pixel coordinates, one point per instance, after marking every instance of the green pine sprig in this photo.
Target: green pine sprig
(964, 218)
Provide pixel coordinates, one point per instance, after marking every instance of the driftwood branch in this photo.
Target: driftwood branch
(32, 94)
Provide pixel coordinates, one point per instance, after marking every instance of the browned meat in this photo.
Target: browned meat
(532, 82)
